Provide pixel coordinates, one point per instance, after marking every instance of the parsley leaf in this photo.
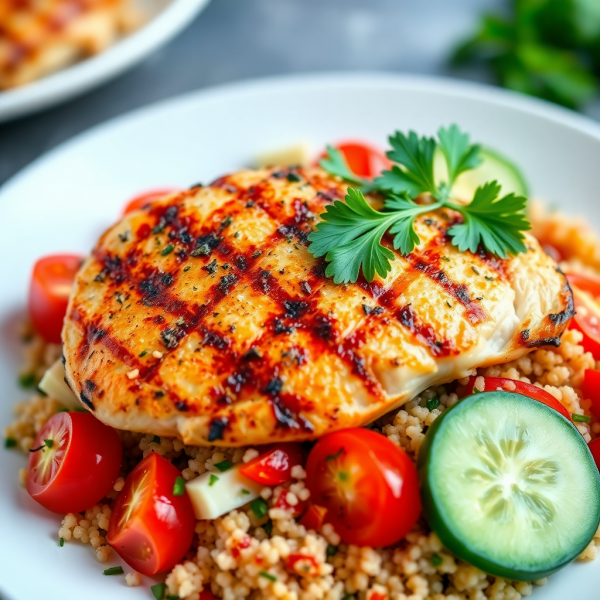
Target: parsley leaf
(416, 156)
(350, 233)
(350, 237)
(495, 222)
(459, 153)
(336, 164)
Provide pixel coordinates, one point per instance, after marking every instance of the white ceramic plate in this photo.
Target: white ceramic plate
(165, 18)
(65, 199)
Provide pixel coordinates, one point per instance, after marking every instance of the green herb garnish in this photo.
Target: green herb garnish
(268, 527)
(114, 571)
(10, 442)
(213, 479)
(331, 550)
(432, 403)
(158, 590)
(26, 380)
(61, 542)
(224, 465)
(580, 418)
(62, 409)
(244, 492)
(259, 507)
(436, 560)
(38, 448)
(49, 443)
(268, 576)
(167, 249)
(156, 440)
(350, 234)
(179, 487)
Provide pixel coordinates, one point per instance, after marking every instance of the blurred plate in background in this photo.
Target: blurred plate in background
(164, 20)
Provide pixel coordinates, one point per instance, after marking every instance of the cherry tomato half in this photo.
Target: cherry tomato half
(151, 528)
(363, 159)
(368, 486)
(49, 289)
(518, 387)
(591, 390)
(274, 467)
(594, 447)
(146, 198)
(586, 294)
(74, 462)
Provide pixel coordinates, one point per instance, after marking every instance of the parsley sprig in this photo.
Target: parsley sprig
(350, 233)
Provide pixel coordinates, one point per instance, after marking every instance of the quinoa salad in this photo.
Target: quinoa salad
(288, 515)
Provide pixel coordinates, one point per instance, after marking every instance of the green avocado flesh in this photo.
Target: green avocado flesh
(509, 485)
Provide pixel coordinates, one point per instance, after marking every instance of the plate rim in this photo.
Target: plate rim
(492, 95)
(87, 74)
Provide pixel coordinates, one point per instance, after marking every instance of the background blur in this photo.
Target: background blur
(551, 54)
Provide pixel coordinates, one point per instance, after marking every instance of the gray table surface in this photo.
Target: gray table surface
(242, 39)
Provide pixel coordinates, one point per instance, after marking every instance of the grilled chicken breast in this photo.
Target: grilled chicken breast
(205, 316)
(38, 37)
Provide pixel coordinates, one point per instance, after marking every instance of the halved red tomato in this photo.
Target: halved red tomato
(49, 289)
(363, 159)
(586, 295)
(368, 486)
(151, 528)
(147, 198)
(274, 467)
(591, 390)
(74, 462)
(492, 384)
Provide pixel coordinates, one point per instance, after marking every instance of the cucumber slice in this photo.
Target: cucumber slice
(494, 167)
(509, 485)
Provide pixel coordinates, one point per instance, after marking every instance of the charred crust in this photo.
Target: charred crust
(216, 429)
(90, 385)
(273, 387)
(182, 406)
(552, 341)
(86, 400)
(253, 353)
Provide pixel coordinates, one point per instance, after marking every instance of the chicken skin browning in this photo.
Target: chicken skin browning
(205, 316)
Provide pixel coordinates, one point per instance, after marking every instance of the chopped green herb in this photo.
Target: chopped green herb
(179, 487)
(259, 507)
(114, 571)
(236, 234)
(293, 177)
(143, 353)
(432, 403)
(268, 576)
(26, 380)
(10, 443)
(343, 476)
(158, 590)
(227, 221)
(38, 448)
(156, 440)
(167, 249)
(186, 269)
(257, 254)
(211, 267)
(213, 479)
(581, 418)
(224, 465)
(61, 542)
(445, 258)
(331, 550)
(334, 456)
(475, 270)
(350, 234)
(49, 443)
(436, 560)
(268, 527)
(245, 492)
(348, 596)
(62, 409)
(489, 278)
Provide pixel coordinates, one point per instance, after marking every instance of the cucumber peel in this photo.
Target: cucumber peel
(509, 485)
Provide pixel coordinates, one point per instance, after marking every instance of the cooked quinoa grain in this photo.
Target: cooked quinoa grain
(244, 556)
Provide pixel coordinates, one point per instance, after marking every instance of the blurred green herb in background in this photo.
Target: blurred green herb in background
(546, 48)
